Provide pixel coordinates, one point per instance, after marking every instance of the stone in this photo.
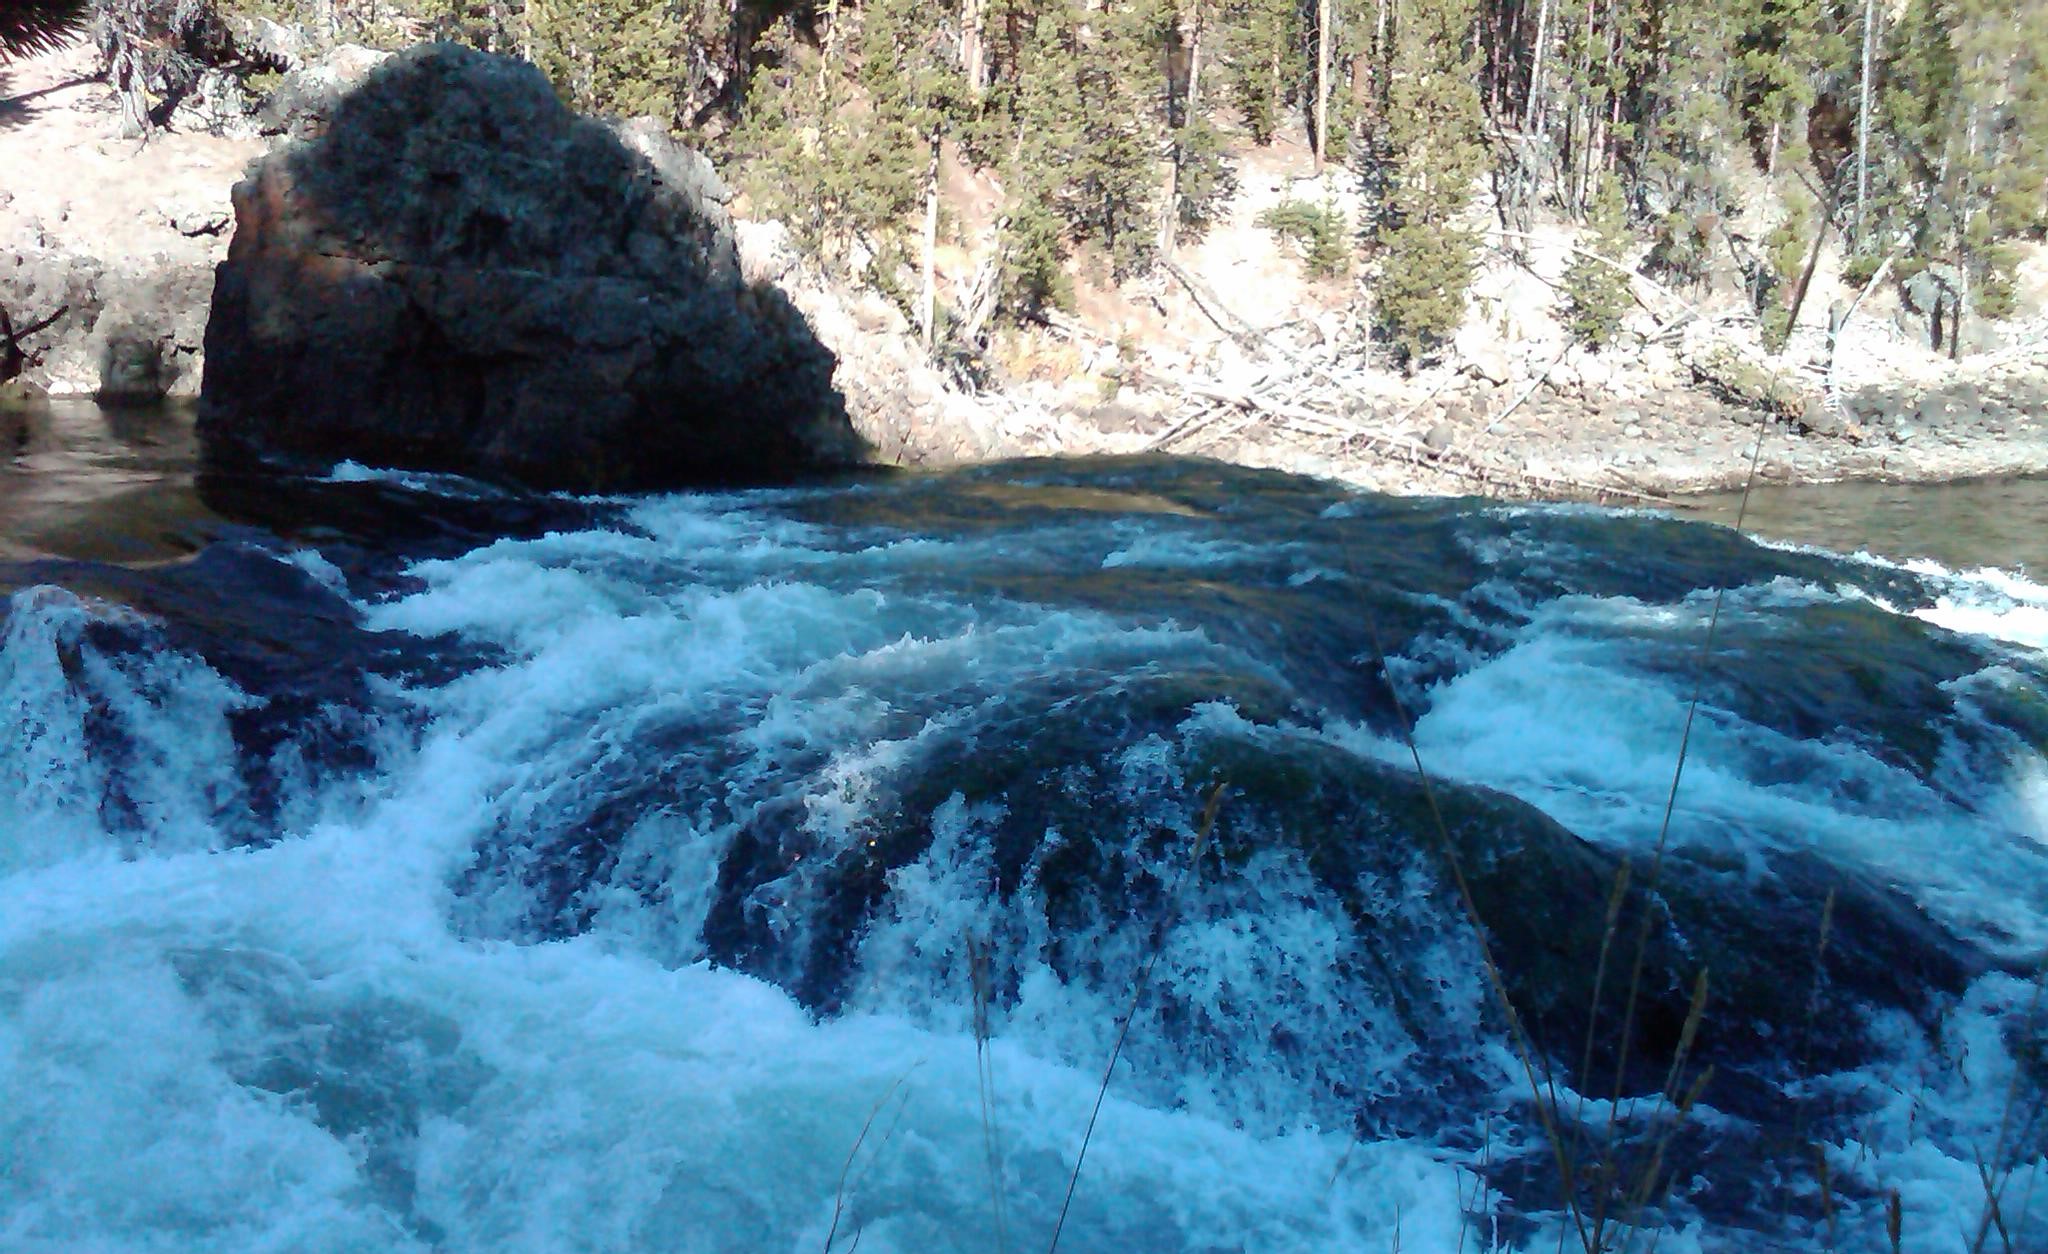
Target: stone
(198, 217)
(1818, 418)
(1632, 431)
(1440, 437)
(129, 331)
(459, 274)
(1595, 372)
(1483, 354)
(301, 105)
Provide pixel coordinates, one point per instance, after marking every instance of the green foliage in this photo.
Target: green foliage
(1433, 123)
(1596, 295)
(1207, 181)
(1321, 232)
(825, 111)
(1681, 246)
(1422, 287)
(1860, 268)
(1963, 115)
(1785, 248)
(818, 159)
(1262, 43)
(626, 57)
(28, 27)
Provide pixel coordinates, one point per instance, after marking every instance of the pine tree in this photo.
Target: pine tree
(1260, 42)
(824, 159)
(1434, 120)
(1046, 103)
(1596, 288)
(630, 58)
(28, 27)
(1964, 108)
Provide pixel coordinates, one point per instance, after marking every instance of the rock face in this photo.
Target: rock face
(122, 330)
(460, 274)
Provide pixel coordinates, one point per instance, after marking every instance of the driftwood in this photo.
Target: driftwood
(1338, 435)
(1212, 306)
(1529, 391)
(13, 357)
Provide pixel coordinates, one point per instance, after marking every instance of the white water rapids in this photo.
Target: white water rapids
(317, 1042)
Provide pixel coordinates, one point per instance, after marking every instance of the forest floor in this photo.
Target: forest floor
(1232, 352)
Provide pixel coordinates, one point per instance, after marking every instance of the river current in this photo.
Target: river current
(392, 862)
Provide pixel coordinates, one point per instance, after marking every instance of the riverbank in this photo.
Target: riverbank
(1230, 352)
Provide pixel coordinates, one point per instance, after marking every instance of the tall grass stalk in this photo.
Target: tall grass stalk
(846, 1176)
(1203, 832)
(1593, 1238)
(980, 977)
(1993, 1217)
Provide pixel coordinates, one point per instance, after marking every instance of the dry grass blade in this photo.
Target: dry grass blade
(1820, 956)
(846, 1169)
(1203, 833)
(1994, 1187)
(980, 976)
(1663, 844)
(1525, 1053)
(1612, 924)
(1647, 1183)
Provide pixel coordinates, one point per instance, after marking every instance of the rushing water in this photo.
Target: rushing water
(412, 866)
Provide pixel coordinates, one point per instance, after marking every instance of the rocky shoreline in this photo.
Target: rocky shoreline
(124, 239)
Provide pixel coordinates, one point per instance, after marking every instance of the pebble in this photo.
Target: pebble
(1633, 431)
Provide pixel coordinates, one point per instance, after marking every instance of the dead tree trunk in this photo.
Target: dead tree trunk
(1863, 118)
(973, 48)
(1322, 84)
(1191, 101)
(928, 297)
(1532, 117)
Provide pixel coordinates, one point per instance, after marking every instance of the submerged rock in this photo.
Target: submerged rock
(460, 274)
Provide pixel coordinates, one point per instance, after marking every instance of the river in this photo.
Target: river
(391, 862)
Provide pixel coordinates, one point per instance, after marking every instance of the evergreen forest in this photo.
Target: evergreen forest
(1910, 134)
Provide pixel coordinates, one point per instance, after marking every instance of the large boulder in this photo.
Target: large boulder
(460, 274)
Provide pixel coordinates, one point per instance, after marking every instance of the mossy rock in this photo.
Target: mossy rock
(1736, 380)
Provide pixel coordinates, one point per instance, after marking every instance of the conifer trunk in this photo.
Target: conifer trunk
(1863, 117)
(1532, 118)
(973, 49)
(1169, 225)
(928, 300)
(1322, 84)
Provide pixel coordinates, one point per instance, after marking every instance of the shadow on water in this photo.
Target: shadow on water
(83, 483)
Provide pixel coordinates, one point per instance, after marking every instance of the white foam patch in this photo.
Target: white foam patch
(1942, 1111)
(1989, 602)
(1986, 601)
(284, 1049)
(1557, 721)
(293, 1048)
(434, 484)
(1178, 552)
(60, 695)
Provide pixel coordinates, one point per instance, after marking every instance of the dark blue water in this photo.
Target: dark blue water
(394, 863)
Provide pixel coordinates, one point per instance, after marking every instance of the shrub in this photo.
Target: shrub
(1322, 232)
(1596, 294)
